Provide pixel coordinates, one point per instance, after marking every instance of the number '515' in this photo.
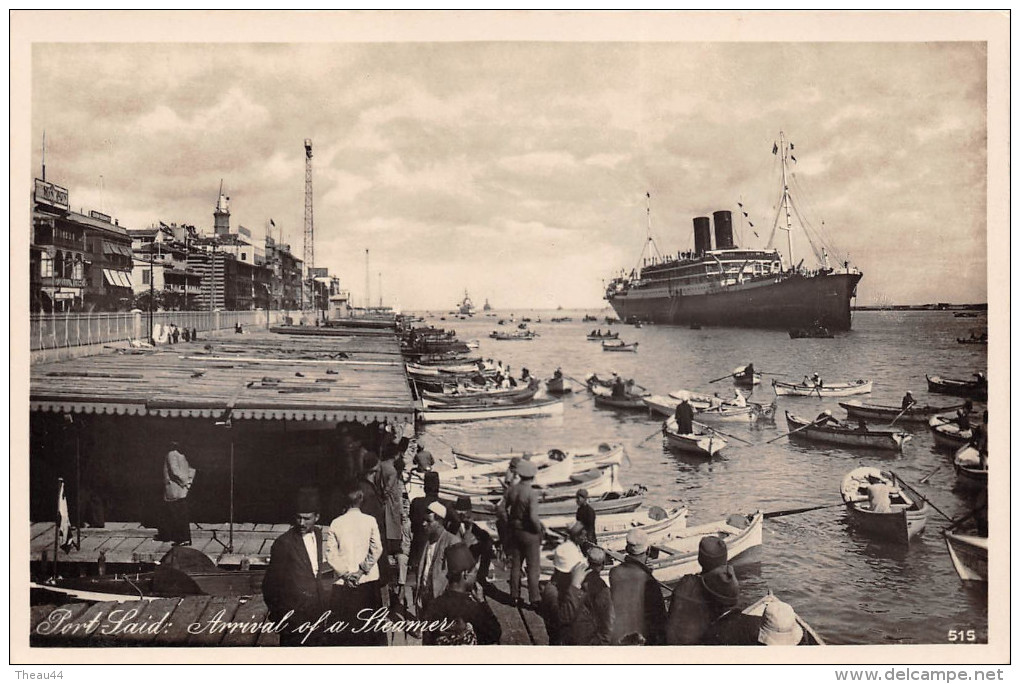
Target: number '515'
(962, 635)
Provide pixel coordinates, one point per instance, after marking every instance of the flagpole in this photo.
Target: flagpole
(77, 477)
(56, 526)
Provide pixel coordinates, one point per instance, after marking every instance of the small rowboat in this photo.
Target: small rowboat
(536, 407)
(880, 438)
(609, 503)
(730, 413)
(524, 335)
(969, 554)
(747, 381)
(558, 385)
(581, 460)
(969, 473)
(819, 332)
(947, 433)
(596, 480)
(839, 389)
(660, 526)
(972, 340)
(706, 444)
(437, 370)
(628, 402)
(606, 336)
(611, 530)
(757, 609)
(914, 414)
(669, 563)
(904, 522)
(972, 389)
(480, 397)
(589, 454)
(619, 347)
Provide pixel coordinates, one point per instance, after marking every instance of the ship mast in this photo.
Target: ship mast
(786, 199)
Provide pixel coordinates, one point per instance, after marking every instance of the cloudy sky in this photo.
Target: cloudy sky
(518, 170)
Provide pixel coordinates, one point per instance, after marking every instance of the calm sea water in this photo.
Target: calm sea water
(852, 589)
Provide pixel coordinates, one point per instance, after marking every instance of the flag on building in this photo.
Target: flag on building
(272, 223)
(63, 519)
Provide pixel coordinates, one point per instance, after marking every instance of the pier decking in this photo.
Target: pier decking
(255, 376)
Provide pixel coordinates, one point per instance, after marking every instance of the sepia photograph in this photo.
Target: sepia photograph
(333, 330)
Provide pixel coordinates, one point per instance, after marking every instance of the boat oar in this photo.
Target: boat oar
(795, 511)
(802, 427)
(657, 432)
(723, 377)
(921, 496)
(724, 434)
(901, 413)
(927, 477)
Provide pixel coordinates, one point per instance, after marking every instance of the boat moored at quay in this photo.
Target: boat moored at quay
(728, 285)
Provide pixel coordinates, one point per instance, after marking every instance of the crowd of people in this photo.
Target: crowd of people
(382, 545)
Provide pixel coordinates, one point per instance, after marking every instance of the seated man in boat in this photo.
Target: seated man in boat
(963, 415)
(908, 401)
(980, 379)
(816, 380)
(826, 418)
(738, 398)
(861, 425)
(879, 497)
(557, 374)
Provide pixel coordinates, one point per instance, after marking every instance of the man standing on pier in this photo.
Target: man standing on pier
(177, 478)
(298, 578)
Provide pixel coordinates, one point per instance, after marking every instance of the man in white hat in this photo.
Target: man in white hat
(637, 598)
(432, 570)
(588, 605)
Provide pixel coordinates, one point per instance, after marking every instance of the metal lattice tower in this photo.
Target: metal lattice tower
(309, 223)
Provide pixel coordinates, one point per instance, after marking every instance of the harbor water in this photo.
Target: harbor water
(850, 588)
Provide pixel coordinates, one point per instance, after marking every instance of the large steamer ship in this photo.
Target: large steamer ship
(726, 285)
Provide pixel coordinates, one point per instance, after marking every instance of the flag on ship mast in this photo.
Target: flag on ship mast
(63, 519)
(775, 148)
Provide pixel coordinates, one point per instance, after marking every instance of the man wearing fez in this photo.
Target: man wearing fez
(418, 508)
(470, 621)
(637, 599)
(692, 609)
(432, 569)
(298, 580)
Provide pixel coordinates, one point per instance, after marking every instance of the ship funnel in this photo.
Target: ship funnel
(723, 230)
(702, 235)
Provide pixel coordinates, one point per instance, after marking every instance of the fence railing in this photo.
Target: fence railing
(61, 330)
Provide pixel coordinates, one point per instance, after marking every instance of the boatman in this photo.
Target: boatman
(684, 415)
(586, 516)
(908, 401)
(738, 398)
(825, 418)
(619, 388)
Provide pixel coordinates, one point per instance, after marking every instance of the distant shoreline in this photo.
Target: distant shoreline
(922, 307)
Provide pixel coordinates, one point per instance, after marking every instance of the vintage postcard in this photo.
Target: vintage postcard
(511, 332)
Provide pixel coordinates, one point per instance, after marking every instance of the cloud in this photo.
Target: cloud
(519, 169)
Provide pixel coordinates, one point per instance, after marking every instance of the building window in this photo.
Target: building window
(244, 256)
(79, 269)
(145, 277)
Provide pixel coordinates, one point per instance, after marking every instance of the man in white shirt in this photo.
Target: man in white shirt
(353, 550)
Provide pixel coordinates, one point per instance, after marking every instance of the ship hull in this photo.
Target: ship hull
(796, 301)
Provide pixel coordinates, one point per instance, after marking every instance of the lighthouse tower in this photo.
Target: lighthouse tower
(221, 217)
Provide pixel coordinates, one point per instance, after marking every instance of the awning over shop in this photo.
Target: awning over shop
(365, 416)
(117, 278)
(114, 248)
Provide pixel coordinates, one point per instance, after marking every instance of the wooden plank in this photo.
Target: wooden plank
(150, 550)
(95, 636)
(252, 613)
(221, 608)
(188, 612)
(39, 529)
(120, 549)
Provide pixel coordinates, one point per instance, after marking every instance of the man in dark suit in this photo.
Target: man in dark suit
(637, 600)
(298, 580)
